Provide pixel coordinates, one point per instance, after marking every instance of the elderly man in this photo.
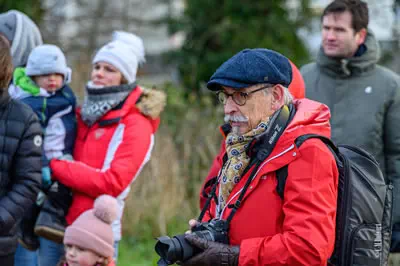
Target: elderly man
(263, 228)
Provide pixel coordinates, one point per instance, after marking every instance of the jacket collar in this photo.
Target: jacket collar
(356, 65)
(311, 118)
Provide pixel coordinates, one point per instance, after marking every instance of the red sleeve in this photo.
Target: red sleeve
(215, 167)
(310, 213)
(129, 158)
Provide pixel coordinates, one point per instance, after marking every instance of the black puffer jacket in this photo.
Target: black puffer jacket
(20, 167)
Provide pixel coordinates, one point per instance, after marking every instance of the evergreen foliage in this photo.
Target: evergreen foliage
(32, 8)
(217, 29)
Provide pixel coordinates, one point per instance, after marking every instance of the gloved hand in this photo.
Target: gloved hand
(213, 254)
(46, 176)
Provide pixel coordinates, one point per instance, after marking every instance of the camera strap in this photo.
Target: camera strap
(264, 145)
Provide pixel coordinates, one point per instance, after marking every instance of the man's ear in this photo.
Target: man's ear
(361, 36)
(278, 92)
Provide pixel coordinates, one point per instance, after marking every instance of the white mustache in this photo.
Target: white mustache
(235, 118)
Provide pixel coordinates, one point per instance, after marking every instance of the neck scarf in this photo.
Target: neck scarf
(238, 160)
(99, 101)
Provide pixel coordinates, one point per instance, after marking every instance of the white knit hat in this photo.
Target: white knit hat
(47, 59)
(125, 52)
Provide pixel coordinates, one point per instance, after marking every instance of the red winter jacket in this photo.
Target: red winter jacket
(299, 230)
(108, 156)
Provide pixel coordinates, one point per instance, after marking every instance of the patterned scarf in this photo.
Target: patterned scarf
(99, 101)
(238, 160)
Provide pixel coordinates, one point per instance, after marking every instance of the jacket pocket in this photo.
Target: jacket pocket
(365, 251)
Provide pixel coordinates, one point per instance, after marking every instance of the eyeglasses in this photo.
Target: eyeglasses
(238, 97)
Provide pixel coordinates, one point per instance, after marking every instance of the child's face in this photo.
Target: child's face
(50, 82)
(77, 256)
(104, 74)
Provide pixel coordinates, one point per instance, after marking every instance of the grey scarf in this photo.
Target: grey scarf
(99, 101)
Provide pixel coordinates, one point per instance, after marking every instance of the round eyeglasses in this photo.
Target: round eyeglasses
(238, 97)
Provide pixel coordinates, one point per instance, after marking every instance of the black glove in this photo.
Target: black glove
(213, 253)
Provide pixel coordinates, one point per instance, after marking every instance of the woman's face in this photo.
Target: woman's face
(105, 74)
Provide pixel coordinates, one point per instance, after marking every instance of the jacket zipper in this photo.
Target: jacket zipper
(258, 170)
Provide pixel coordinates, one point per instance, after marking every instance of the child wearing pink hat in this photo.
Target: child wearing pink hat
(89, 239)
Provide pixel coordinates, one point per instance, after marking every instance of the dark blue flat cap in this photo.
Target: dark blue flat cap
(250, 67)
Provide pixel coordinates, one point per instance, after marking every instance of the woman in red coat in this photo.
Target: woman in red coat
(116, 127)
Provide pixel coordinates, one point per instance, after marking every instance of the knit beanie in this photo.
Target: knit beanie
(48, 59)
(125, 52)
(22, 33)
(92, 229)
(8, 23)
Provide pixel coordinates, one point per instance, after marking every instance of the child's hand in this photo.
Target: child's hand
(46, 176)
(67, 157)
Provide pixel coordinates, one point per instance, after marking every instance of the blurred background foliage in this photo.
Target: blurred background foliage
(33, 8)
(165, 195)
(201, 35)
(215, 30)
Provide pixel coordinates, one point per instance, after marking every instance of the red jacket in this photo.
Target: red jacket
(299, 230)
(108, 156)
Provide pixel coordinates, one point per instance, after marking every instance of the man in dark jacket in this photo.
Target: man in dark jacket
(364, 98)
(20, 159)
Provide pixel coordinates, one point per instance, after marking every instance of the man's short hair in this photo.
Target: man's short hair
(357, 8)
(6, 66)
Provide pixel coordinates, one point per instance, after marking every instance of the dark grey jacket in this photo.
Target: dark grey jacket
(364, 99)
(20, 167)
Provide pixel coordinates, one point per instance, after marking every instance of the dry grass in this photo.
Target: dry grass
(168, 186)
(158, 192)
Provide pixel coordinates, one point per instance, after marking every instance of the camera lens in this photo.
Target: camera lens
(173, 249)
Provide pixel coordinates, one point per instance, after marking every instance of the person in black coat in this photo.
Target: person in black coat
(20, 159)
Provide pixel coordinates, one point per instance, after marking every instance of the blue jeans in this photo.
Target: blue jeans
(48, 254)
(25, 257)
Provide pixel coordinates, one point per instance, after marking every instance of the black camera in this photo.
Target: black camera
(176, 248)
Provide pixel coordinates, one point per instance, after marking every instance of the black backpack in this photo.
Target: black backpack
(364, 208)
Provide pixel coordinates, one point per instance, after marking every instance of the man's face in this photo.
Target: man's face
(338, 36)
(258, 107)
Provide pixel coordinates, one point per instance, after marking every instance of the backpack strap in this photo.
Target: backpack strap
(282, 173)
(300, 140)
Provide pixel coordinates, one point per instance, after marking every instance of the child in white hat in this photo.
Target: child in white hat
(43, 85)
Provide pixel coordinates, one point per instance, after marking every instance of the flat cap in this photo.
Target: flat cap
(250, 67)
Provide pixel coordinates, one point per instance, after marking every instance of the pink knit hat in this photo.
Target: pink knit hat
(92, 230)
